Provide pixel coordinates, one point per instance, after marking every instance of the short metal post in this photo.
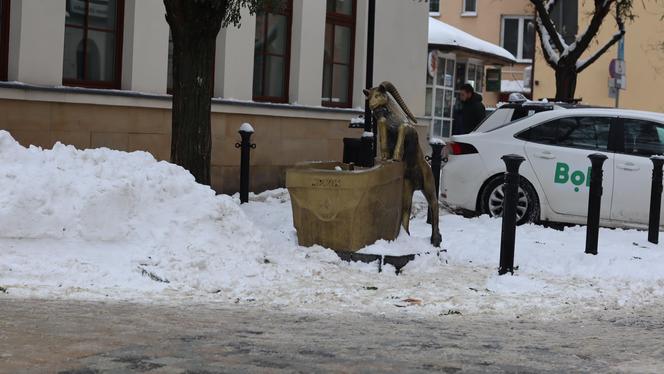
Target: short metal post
(655, 199)
(594, 202)
(436, 163)
(511, 192)
(245, 148)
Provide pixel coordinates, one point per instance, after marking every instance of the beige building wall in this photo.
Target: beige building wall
(487, 23)
(234, 71)
(398, 58)
(129, 123)
(643, 54)
(144, 68)
(306, 83)
(36, 40)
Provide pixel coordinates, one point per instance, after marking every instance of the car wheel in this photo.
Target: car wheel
(492, 196)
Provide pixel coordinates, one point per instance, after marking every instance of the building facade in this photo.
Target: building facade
(491, 48)
(643, 54)
(96, 73)
(507, 23)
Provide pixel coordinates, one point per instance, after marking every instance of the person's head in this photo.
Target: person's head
(466, 93)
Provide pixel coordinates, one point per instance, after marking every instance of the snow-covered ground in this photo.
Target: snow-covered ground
(102, 224)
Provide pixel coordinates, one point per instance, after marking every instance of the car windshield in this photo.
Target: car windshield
(504, 116)
(497, 118)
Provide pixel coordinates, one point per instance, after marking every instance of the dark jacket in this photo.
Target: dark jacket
(471, 114)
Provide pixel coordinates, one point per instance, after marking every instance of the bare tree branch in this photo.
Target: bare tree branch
(566, 59)
(582, 65)
(602, 9)
(544, 19)
(551, 60)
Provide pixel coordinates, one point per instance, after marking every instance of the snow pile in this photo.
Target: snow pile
(159, 224)
(554, 274)
(357, 120)
(95, 194)
(513, 85)
(102, 224)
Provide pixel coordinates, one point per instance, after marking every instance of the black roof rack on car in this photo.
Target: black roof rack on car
(579, 106)
(529, 104)
(572, 103)
(566, 101)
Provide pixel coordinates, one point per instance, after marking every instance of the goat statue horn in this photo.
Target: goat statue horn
(389, 87)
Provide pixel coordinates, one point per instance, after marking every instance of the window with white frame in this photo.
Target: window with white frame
(469, 8)
(518, 37)
(471, 72)
(565, 16)
(434, 7)
(440, 94)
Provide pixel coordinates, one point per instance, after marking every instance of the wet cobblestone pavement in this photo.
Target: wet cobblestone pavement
(88, 337)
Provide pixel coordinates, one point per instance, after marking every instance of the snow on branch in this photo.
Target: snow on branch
(549, 5)
(544, 23)
(602, 9)
(553, 45)
(583, 64)
(593, 28)
(550, 54)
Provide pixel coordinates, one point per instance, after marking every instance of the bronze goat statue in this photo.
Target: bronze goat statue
(399, 142)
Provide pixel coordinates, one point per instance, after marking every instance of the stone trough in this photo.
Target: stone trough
(343, 209)
(346, 208)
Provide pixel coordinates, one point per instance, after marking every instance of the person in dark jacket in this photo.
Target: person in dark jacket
(472, 111)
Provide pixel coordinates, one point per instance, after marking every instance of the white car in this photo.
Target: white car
(555, 175)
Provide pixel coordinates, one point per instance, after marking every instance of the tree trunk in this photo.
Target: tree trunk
(194, 28)
(565, 82)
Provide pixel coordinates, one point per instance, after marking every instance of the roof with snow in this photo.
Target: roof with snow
(507, 85)
(444, 35)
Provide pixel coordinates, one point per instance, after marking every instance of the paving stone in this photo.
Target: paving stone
(68, 337)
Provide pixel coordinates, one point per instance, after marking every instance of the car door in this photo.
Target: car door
(633, 169)
(558, 153)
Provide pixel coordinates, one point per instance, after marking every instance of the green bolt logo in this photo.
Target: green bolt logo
(577, 177)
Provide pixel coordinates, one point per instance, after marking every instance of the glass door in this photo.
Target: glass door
(440, 94)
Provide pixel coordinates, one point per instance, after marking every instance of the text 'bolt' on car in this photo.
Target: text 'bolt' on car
(556, 141)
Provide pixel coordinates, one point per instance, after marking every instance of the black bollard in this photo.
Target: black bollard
(594, 202)
(245, 148)
(436, 163)
(511, 193)
(367, 150)
(655, 199)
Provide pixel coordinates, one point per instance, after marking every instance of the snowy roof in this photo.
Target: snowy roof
(507, 85)
(442, 34)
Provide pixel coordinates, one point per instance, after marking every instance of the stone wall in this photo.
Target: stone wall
(281, 140)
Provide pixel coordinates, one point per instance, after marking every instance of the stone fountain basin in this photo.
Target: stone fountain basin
(342, 209)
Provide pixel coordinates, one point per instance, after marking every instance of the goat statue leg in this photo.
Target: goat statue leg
(382, 139)
(399, 147)
(429, 189)
(407, 204)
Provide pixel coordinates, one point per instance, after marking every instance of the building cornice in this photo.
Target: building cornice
(92, 96)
